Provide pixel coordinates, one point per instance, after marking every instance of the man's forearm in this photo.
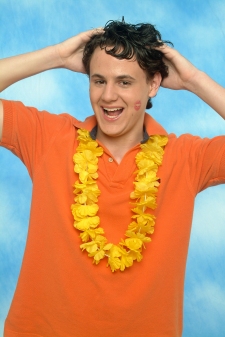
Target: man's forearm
(16, 68)
(209, 91)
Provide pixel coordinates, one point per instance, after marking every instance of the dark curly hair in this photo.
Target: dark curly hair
(127, 41)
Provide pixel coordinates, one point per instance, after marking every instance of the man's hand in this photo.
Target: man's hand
(71, 51)
(184, 75)
(181, 71)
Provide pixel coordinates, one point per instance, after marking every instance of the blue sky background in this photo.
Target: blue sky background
(197, 29)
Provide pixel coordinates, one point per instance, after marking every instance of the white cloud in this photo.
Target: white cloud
(201, 121)
(35, 90)
(182, 112)
(209, 221)
(206, 310)
(204, 287)
(13, 231)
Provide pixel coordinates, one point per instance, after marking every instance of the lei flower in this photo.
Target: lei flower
(86, 192)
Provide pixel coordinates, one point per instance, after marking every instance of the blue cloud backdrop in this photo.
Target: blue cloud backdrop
(197, 29)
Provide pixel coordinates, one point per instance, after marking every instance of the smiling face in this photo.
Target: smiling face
(119, 91)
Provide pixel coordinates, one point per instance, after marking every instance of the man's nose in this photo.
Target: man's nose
(109, 93)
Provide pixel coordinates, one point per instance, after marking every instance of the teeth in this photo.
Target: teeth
(112, 113)
(111, 110)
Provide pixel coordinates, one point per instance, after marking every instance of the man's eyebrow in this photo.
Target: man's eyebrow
(97, 75)
(120, 77)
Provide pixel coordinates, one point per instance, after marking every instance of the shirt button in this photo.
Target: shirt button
(110, 160)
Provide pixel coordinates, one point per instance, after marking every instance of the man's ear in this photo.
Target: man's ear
(154, 84)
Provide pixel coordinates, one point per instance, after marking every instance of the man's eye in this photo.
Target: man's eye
(99, 82)
(125, 83)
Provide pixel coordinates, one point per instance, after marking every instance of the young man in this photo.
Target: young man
(126, 183)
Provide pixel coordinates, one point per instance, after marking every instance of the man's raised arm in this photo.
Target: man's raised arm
(1, 119)
(67, 54)
(183, 75)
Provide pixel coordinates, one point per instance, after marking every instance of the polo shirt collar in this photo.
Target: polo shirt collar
(151, 127)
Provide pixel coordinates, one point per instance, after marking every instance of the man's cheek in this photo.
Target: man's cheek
(137, 105)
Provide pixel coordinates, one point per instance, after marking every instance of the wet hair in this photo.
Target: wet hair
(127, 41)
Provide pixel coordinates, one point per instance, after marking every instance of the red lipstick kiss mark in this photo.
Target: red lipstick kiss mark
(137, 105)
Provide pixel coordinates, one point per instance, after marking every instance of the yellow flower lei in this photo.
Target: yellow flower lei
(86, 192)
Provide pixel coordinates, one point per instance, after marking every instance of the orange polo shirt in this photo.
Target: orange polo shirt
(60, 293)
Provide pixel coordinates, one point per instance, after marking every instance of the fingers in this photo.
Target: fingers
(95, 31)
(164, 48)
(99, 30)
(89, 33)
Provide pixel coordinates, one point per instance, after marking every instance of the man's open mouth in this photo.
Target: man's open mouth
(112, 113)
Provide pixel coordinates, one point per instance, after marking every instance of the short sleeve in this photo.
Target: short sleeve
(28, 132)
(206, 162)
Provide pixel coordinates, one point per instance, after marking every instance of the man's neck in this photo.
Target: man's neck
(118, 146)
